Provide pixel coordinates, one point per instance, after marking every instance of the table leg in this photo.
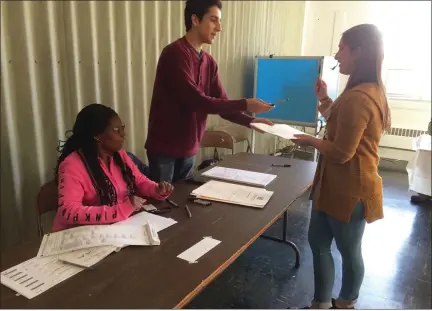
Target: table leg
(285, 240)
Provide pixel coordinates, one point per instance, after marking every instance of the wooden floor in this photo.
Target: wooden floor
(396, 250)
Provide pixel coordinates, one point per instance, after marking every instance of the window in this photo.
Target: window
(406, 28)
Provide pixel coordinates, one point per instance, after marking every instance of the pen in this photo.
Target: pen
(282, 165)
(77, 265)
(172, 203)
(280, 102)
(188, 211)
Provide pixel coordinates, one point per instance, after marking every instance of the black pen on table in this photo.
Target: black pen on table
(188, 211)
(172, 203)
(282, 165)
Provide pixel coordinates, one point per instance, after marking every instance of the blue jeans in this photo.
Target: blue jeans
(348, 236)
(163, 168)
(140, 165)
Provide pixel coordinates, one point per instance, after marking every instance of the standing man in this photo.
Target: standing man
(187, 88)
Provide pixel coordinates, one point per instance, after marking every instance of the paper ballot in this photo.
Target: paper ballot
(234, 194)
(36, 275)
(95, 235)
(90, 256)
(240, 176)
(281, 130)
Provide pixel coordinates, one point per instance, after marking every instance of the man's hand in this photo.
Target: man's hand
(257, 106)
(259, 120)
(164, 189)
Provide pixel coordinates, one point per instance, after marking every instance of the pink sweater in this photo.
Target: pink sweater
(78, 201)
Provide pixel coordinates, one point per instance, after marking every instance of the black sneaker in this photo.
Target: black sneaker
(419, 198)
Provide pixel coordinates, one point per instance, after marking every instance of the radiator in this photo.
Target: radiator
(400, 138)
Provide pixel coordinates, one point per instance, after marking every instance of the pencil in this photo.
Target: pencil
(188, 211)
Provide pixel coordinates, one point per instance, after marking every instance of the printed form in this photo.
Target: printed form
(234, 194)
(89, 257)
(36, 275)
(94, 235)
(240, 176)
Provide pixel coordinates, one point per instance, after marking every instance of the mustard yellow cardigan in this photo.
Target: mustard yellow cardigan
(348, 171)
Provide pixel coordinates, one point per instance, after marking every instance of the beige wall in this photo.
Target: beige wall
(57, 57)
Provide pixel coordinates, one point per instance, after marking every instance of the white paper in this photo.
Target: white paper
(233, 193)
(93, 235)
(281, 130)
(91, 256)
(241, 176)
(149, 207)
(195, 252)
(37, 275)
(158, 222)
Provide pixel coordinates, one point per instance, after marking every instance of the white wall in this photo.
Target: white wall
(324, 24)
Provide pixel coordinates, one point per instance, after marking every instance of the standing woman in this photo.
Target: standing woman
(347, 189)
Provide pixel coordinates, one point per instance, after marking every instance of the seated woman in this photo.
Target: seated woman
(97, 181)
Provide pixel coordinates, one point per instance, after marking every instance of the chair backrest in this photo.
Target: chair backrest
(46, 202)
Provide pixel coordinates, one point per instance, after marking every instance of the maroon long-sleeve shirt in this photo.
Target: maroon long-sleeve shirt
(187, 88)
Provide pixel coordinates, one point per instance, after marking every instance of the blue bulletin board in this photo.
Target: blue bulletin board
(277, 78)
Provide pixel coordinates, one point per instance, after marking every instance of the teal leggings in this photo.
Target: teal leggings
(348, 236)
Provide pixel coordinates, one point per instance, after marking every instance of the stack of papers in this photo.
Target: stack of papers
(240, 176)
(65, 253)
(281, 130)
(96, 235)
(233, 194)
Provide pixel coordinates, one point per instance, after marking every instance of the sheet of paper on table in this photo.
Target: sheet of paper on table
(233, 194)
(64, 241)
(36, 275)
(240, 176)
(158, 222)
(90, 256)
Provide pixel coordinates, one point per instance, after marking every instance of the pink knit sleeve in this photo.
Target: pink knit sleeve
(145, 187)
(71, 210)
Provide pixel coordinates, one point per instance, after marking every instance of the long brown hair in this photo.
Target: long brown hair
(369, 63)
